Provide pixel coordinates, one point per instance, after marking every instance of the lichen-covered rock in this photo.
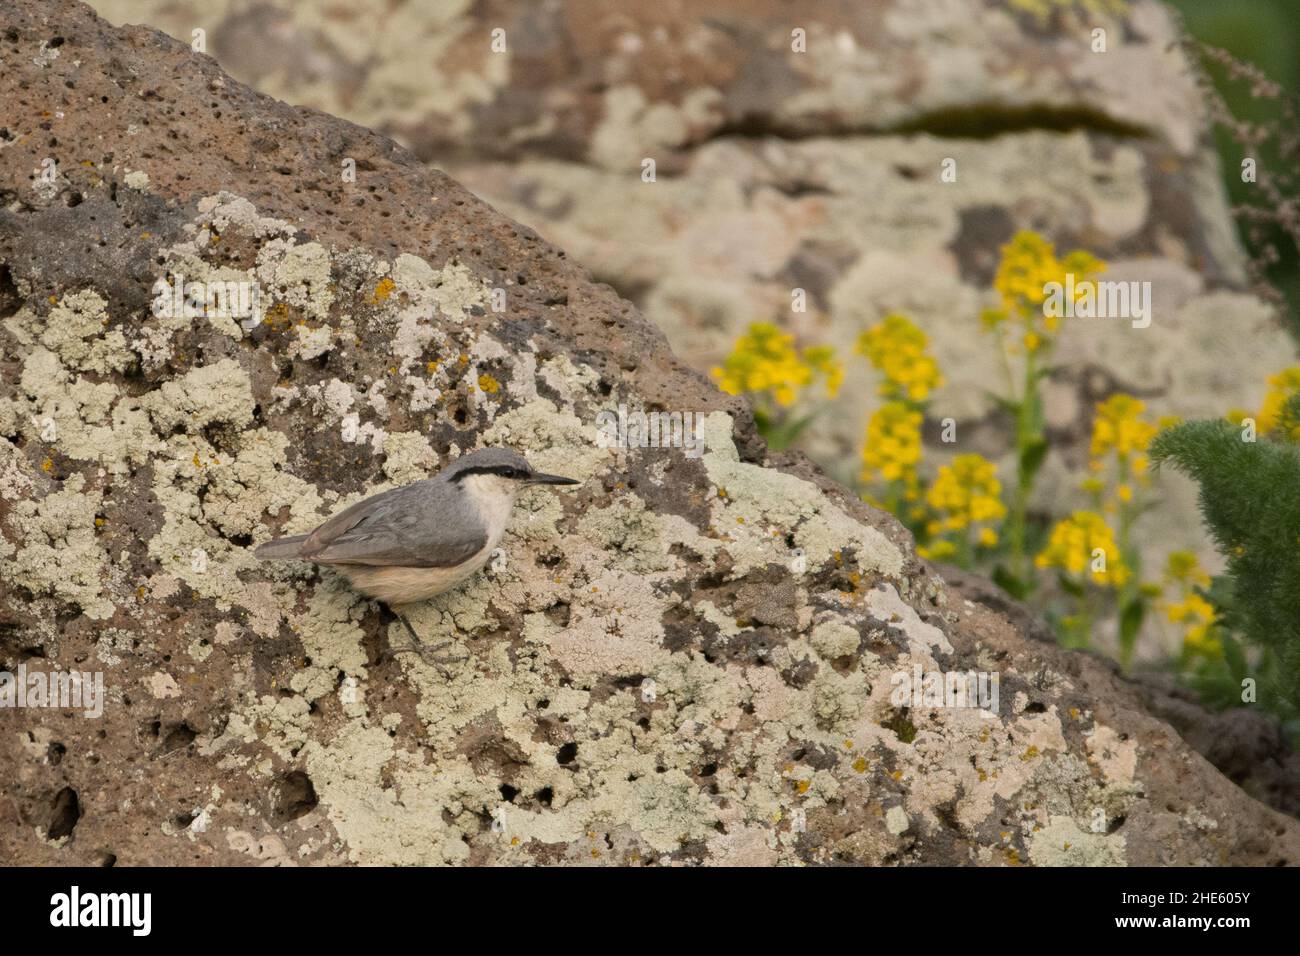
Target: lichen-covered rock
(689, 660)
(801, 147)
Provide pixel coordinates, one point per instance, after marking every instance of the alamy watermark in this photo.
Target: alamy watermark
(639, 429)
(57, 690)
(75, 908)
(919, 689)
(194, 300)
(1094, 299)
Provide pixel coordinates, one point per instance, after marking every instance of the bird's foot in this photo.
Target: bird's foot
(428, 652)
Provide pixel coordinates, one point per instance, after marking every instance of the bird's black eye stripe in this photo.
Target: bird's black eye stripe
(503, 471)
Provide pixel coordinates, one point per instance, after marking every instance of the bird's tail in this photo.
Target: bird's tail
(281, 547)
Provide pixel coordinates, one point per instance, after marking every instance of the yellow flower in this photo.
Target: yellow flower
(1028, 264)
(1043, 10)
(1183, 567)
(1119, 427)
(897, 348)
(821, 359)
(1073, 548)
(941, 550)
(1184, 573)
(1282, 387)
(1120, 430)
(1197, 614)
(990, 319)
(765, 361)
(893, 444)
(966, 492)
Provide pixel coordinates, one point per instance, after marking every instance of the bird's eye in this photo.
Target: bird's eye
(512, 473)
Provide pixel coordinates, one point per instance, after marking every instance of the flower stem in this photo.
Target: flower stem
(1026, 433)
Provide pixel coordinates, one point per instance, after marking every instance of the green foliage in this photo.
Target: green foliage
(1250, 499)
(781, 432)
(1218, 680)
(1242, 46)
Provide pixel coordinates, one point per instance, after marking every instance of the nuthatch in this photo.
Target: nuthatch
(413, 542)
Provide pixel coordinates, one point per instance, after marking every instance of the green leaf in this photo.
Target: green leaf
(1070, 586)
(1031, 459)
(1130, 622)
(781, 435)
(1034, 410)
(1219, 593)
(1010, 583)
(1008, 405)
(1234, 655)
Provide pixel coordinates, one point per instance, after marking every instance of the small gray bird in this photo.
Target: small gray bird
(411, 543)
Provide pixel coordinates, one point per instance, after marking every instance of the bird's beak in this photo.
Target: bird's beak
(542, 479)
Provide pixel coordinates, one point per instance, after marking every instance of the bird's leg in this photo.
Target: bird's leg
(428, 653)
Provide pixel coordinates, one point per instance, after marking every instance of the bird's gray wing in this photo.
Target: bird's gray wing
(421, 525)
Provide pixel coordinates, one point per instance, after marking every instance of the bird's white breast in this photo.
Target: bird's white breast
(493, 498)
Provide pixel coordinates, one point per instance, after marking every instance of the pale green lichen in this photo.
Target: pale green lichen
(188, 268)
(16, 475)
(760, 501)
(331, 639)
(298, 275)
(76, 331)
(630, 532)
(281, 723)
(312, 343)
(1064, 843)
(57, 550)
(896, 821)
(211, 394)
(408, 457)
(211, 494)
(247, 483)
(834, 639)
(240, 488)
(87, 421)
(888, 606)
(417, 821)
